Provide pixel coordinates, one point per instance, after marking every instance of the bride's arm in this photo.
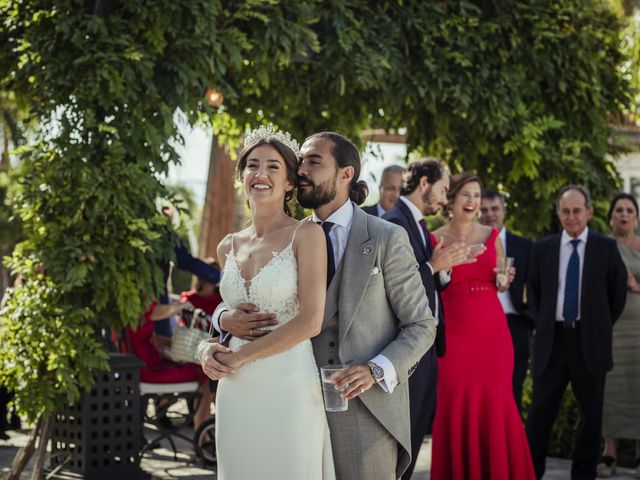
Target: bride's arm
(311, 254)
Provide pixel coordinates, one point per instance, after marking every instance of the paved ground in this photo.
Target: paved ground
(162, 466)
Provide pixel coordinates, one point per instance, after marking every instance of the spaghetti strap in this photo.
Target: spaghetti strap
(296, 231)
(233, 238)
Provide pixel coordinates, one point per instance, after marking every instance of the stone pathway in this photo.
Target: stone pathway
(162, 466)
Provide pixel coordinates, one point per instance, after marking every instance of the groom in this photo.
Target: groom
(377, 318)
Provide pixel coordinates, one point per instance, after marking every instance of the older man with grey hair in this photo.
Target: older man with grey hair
(577, 289)
(390, 186)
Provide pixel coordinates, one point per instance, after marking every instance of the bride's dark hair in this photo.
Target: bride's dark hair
(290, 162)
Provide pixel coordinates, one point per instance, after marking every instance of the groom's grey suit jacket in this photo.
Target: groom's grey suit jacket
(376, 305)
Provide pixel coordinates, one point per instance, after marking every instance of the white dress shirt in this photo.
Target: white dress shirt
(505, 297)
(417, 216)
(566, 249)
(339, 235)
(379, 210)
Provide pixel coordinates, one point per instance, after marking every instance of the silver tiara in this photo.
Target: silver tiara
(262, 133)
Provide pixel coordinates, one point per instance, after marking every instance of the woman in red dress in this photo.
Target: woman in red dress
(158, 369)
(477, 433)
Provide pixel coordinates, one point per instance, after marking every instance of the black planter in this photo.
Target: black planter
(100, 438)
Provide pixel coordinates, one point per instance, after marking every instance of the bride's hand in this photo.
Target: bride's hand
(211, 366)
(228, 358)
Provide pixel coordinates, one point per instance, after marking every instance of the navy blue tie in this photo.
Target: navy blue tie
(572, 287)
(331, 266)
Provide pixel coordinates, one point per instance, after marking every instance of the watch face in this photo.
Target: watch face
(377, 372)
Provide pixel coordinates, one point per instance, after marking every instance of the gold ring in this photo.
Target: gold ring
(251, 332)
(361, 390)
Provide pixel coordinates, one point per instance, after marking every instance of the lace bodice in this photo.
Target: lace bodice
(273, 289)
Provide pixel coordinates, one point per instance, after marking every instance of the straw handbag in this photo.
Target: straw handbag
(185, 340)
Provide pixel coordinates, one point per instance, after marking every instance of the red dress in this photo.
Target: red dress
(158, 369)
(477, 432)
(208, 304)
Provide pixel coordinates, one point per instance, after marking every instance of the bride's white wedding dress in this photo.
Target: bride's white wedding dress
(270, 419)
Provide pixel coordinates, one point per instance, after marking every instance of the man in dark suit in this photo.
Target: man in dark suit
(390, 185)
(424, 192)
(576, 290)
(492, 212)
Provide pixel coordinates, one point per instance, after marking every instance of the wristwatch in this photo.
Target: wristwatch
(376, 371)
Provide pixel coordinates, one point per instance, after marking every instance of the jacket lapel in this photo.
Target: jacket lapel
(510, 251)
(357, 262)
(415, 233)
(589, 266)
(333, 294)
(554, 268)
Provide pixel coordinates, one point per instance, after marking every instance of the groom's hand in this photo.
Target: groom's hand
(245, 322)
(353, 381)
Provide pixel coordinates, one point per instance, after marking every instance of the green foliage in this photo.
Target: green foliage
(521, 92)
(13, 126)
(106, 87)
(49, 347)
(631, 67)
(10, 226)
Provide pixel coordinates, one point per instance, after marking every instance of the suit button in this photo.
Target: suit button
(332, 344)
(330, 362)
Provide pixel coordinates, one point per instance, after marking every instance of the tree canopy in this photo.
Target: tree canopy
(522, 92)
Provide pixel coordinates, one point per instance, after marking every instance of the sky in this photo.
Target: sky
(195, 163)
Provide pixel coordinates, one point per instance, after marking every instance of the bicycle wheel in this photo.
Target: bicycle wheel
(205, 442)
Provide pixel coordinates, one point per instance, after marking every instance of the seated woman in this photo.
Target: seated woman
(159, 369)
(206, 294)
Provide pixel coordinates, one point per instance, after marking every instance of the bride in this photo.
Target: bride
(270, 420)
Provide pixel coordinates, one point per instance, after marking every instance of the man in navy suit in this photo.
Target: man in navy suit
(390, 185)
(492, 212)
(424, 192)
(577, 288)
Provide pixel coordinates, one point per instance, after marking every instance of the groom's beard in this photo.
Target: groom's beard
(317, 195)
(432, 206)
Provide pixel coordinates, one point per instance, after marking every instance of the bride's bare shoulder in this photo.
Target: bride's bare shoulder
(308, 232)
(224, 247)
(227, 243)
